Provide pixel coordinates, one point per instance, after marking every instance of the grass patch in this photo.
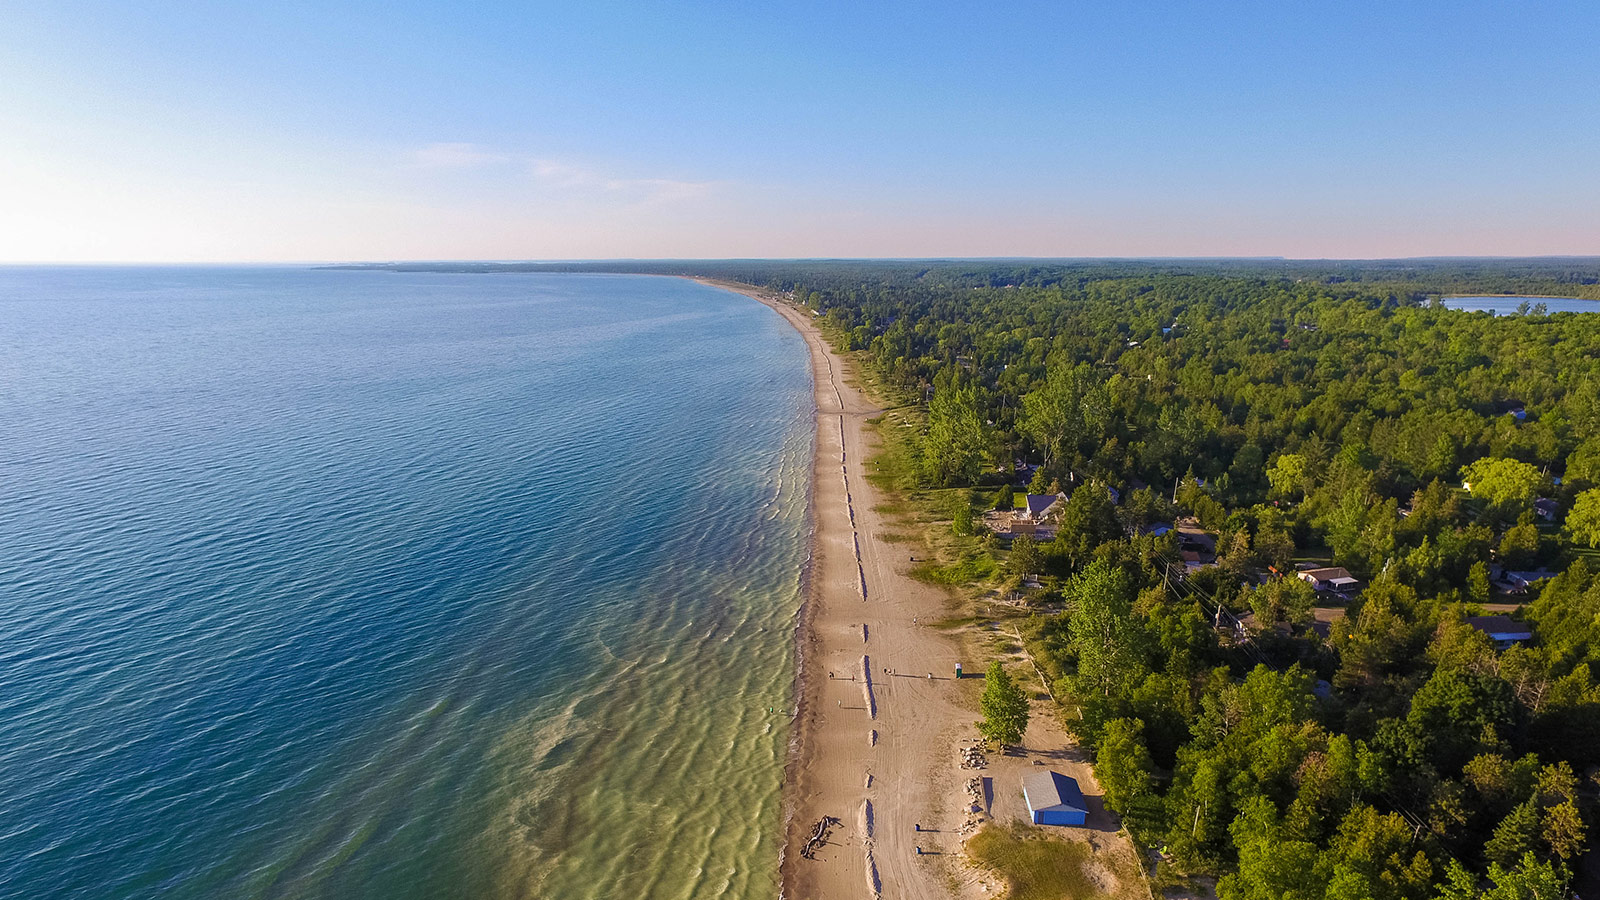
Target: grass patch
(951, 623)
(1033, 866)
(891, 537)
(971, 567)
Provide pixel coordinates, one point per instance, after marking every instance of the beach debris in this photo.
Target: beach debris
(819, 836)
(975, 807)
(973, 758)
(866, 818)
(872, 738)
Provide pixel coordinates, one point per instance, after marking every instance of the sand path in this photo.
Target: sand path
(891, 745)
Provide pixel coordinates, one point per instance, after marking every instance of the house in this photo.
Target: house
(1528, 577)
(1503, 630)
(1054, 799)
(1037, 507)
(1545, 508)
(1036, 513)
(1330, 578)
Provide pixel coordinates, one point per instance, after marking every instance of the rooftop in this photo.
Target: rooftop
(1052, 790)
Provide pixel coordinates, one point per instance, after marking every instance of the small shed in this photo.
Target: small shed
(1054, 799)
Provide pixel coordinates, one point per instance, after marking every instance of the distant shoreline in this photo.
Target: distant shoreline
(1513, 297)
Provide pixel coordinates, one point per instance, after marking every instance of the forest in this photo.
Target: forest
(1301, 417)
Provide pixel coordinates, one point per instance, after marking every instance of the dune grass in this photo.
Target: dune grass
(1034, 866)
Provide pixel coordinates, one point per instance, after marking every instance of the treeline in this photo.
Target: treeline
(1334, 416)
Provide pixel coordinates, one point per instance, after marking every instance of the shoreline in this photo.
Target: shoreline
(872, 762)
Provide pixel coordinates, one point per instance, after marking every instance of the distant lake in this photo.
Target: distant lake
(1508, 305)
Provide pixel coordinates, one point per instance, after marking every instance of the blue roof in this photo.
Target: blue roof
(1052, 791)
(1038, 503)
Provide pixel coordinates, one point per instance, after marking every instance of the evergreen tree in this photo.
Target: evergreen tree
(1004, 705)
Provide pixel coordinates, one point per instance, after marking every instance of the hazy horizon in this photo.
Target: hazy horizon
(424, 132)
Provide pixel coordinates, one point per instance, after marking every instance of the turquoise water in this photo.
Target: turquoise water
(1502, 306)
(363, 584)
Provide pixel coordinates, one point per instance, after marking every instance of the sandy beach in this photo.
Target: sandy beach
(881, 718)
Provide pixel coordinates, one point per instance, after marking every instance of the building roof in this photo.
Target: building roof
(1329, 573)
(1038, 503)
(1047, 790)
(1501, 627)
(1545, 505)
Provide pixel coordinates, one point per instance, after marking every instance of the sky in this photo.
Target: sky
(298, 131)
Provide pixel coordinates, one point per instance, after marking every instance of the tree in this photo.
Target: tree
(1519, 546)
(1583, 522)
(1478, 582)
(1530, 880)
(1005, 499)
(1004, 705)
(1122, 763)
(1515, 835)
(954, 445)
(960, 514)
(1289, 476)
(1109, 640)
(1025, 558)
(1563, 830)
(1505, 483)
(1065, 413)
(1088, 519)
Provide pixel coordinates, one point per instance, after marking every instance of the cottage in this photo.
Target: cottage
(1503, 630)
(1037, 507)
(1545, 508)
(1054, 799)
(1331, 578)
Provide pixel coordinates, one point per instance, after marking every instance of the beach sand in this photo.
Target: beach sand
(880, 752)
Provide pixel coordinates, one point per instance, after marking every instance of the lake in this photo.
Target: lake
(350, 584)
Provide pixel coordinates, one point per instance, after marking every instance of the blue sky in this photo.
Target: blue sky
(176, 132)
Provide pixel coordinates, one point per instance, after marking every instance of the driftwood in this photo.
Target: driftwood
(819, 836)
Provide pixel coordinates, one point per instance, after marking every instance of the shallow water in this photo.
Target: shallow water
(363, 584)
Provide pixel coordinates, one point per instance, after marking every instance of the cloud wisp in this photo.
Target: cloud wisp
(556, 175)
(457, 155)
(559, 174)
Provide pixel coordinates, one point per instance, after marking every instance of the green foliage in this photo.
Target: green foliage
(1068, 414)
(1583, 521)
(1532, 879)
(1025, 558)
(1109, 643)
(1088, 520)
(1004, 499)
(1004, 705)
(1122, 763)
(960, 515)
(953, 448)
(1505, 483)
